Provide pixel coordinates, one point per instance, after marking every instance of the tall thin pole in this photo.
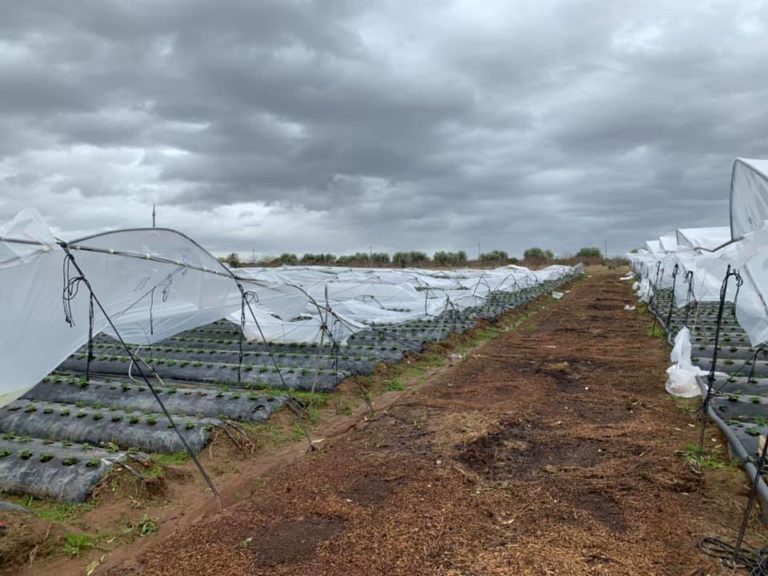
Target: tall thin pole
(153, 216)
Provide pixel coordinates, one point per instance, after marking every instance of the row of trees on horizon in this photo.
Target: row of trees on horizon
(445, 259)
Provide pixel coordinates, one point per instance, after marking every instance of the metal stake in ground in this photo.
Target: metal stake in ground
(675, 270)
(688, 296)
(711, 376)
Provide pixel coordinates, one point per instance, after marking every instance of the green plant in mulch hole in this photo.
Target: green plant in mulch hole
(133, 420)
(76, 544)
(395, 386)
(752, 431)
(151, 421)
(5, 452)
(81, 415)
(189, 425)
(14, 408)
(30, 409)
(98, 416)
(25, 454)
(116, 418)
(125, 387)
(755, 399)
(70, 461)
(93, 463)
(46, 458)
(146, 527)
(761, 421)
(64, 413)
(733, 397)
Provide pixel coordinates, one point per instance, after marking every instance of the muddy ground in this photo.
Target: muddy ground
(551, 449)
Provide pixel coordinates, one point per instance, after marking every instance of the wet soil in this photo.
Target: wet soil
(552, 449)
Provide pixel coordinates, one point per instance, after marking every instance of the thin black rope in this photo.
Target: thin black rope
(293, 403)
(70, 290)
(151, 308)
(739, 284)
(89, 355)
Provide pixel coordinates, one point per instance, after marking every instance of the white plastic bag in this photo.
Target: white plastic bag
(681, 376)
(681, 382)
(681, 351)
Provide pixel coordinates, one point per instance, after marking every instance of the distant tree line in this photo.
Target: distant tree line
(442, 258)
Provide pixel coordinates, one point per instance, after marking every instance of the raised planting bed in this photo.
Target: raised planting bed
(129, 396)
(221, 373)
(56, 470)
(149, 432)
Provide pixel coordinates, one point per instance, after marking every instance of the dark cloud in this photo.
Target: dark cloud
(305, 125)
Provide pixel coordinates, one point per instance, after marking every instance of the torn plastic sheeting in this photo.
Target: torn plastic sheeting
(681, 376)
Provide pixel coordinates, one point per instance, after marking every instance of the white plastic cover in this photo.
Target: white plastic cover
(154, 283)
(668, 242)
(750, 257)
(749, 196)
(681, 376)
(710, 238)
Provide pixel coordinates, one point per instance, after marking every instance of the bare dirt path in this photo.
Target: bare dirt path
(552, 449)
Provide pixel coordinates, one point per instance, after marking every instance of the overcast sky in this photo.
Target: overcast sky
(333, 126)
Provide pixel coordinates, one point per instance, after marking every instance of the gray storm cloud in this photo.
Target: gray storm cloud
(337, 125)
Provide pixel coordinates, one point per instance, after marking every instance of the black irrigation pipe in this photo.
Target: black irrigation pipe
(736, 556)
(167, 414)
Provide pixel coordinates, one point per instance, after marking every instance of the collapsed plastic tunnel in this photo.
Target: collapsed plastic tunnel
(140, 341)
